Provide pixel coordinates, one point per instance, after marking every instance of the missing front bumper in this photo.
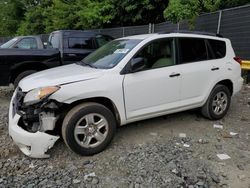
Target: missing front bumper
(34, 145)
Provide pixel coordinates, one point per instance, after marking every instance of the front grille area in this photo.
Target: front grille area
(17, 101)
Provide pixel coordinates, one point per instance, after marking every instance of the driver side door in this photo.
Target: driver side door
(155, 89)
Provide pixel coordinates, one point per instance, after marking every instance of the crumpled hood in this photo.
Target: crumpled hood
(59, 76)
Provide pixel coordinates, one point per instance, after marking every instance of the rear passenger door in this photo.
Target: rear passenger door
(199, 70)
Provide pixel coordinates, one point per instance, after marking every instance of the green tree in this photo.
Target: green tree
(229, 3)
(94, 14)
(11, 13)
(127, 12)
(179, 10)
(34, 18)
(25, 17)
(61, 15)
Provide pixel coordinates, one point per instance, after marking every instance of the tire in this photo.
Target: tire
(22, 75)
(215, 108)
(80, 128)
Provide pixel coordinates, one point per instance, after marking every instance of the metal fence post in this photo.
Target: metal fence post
(153, 28)
(123, 32)
(149, 28)
(219, 22)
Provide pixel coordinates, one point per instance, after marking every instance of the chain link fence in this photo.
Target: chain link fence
(232, 23)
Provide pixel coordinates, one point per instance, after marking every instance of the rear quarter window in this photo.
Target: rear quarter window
(218, 48)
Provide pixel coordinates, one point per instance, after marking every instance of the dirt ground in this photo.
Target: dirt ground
(145, 154)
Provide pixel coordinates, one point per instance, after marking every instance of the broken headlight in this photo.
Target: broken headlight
(36, 95)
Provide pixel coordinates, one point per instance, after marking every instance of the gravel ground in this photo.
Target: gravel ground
(145, 154)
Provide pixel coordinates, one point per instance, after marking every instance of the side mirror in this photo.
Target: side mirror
(137, 64)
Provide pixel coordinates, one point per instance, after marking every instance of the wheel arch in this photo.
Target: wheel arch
(228, 83)
(16, 70)
(108, 103)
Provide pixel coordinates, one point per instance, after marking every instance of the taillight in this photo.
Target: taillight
(238, 59)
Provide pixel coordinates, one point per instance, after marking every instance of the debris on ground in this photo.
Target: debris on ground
(233, 134)
(186, 145)
(153, 134)
(89, 175)
(226, 135)
(202, 141)
(182, 135)
(223, 156)
(218, 126)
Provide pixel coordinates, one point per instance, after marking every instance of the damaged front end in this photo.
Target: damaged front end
(32, 126)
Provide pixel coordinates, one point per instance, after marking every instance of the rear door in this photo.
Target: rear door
(199, 70)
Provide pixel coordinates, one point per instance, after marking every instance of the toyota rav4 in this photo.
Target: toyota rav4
(127, 80)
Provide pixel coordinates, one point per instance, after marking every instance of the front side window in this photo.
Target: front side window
(80, 43)
(157, 54)
(192, 50)
(27, 43)
(109, 55)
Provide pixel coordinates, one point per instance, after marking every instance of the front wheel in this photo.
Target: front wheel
(218, 103)
(88, 128)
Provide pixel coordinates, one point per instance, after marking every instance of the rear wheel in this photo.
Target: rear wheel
(218, 103)
(88, 128)
(22, 75)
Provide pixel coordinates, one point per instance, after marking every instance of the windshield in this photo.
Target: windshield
(9, 43)
(110, 54)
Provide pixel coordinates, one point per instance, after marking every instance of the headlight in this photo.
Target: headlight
(36, 95)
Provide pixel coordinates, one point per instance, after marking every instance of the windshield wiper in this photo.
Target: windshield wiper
(87, 64)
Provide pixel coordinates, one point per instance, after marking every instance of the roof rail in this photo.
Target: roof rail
(194, 32)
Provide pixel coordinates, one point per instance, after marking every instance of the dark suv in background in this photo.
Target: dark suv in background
(63, 47)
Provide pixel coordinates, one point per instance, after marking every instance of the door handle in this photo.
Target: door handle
(71, 55)
(215, 69)
(174, 75)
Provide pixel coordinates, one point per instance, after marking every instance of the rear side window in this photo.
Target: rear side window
(80, 43)
(192, 50)
(218, 48)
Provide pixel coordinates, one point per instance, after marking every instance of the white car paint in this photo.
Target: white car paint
(59, 76)
(133, 103)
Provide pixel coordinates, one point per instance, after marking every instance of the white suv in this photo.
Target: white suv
(127, 80)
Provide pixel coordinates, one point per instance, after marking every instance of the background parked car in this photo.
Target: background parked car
(24, 42)
(63, 47)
